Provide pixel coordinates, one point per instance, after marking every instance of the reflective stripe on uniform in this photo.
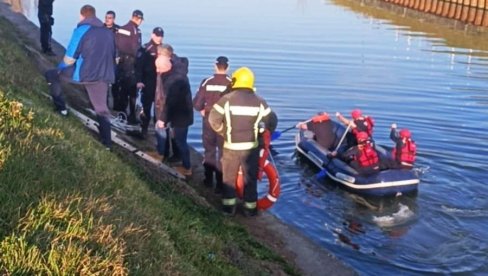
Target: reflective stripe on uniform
(240, 146)
(229, 201)
(244, 110)
(217, 88)
(124, 32)
(250, 205)
(218, 108)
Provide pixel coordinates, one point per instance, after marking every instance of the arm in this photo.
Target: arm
(394, 136)
(216, 116)
(140, 61)
(73, 49)
(199, 100)
(344, 120)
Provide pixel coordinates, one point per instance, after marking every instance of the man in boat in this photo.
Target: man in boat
(236, 116)
(362, 157)
(211, 89)
(405, 149)
(359, 123)
(322, 128)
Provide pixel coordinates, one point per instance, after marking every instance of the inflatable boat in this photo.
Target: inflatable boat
(388, 181)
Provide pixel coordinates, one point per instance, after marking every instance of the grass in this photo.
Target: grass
(67, 206)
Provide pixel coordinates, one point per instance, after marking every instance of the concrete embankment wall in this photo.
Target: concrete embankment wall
(473, 12)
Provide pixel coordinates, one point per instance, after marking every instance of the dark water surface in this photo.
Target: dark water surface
(310, 56)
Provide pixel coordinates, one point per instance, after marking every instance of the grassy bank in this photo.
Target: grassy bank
(67, 206)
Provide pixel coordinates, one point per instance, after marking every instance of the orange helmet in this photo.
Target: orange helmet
(405, 133)
(356, 113)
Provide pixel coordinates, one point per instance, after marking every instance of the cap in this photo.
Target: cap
(405, 133)
(138, 13)
(158, 31)
(222, 60)
(356, 113)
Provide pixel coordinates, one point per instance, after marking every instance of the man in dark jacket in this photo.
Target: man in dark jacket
(46, 20)
(110, 22)
(177, 111)
(89, 60)
(146, 75)
(210, 91)
(128, 41)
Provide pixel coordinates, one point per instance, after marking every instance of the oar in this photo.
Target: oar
(277, 134)
(323, 172)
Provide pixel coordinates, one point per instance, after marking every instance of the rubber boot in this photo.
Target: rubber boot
(209, 172)
(105, 131)
(219, 183)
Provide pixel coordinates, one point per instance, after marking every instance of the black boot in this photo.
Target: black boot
(219, 183)
(105, 131)
(209, 172)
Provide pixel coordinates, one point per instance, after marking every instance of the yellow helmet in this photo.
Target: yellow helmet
(243, 78)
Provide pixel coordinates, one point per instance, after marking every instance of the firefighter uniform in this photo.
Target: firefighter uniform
(146, 74)
(128, 41)
(237, 116)
(209, 92)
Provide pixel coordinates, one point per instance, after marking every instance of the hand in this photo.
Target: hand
(301, 126)
(159, 124)
(393, 125)
(202, 112)
(333, 154)
(140, 85)
(338, 114)
(117, 59)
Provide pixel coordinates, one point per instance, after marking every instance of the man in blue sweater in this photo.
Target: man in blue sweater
(89, 60)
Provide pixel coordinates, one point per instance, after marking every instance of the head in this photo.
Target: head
(243, 78)
(157, 35)
(221, 65)
(362, 138)
(109, 18)
(405, 134)
(87, 11)
(163, 61)
(356, 113)
(137, 17)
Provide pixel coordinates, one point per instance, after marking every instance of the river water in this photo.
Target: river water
(313, 55)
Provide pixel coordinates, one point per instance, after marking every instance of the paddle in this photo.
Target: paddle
(277, 134)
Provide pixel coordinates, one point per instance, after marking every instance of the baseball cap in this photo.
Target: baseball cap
(158, 31)
(138, 13)
(222, 60)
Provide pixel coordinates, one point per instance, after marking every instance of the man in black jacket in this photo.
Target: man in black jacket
(177, 111)
(45, 13)
(146, 75)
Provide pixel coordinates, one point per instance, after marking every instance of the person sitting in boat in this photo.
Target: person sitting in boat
(363, 157)
(405, 149)
(360, 123)
(322, 128)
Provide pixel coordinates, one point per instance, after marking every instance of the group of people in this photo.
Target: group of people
(360, 151)
(107, 58)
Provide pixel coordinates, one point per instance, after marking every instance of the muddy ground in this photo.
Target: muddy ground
(306, 256)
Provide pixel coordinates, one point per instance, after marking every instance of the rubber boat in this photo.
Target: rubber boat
(386, 182)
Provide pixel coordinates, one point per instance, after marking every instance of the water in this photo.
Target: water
(310, 56)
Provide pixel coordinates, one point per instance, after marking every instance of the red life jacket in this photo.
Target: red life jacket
(365, 124)
(367, 156)
(405, 151)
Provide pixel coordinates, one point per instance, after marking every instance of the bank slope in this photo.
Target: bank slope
(69, 206)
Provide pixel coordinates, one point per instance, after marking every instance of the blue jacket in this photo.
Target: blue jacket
(92, 52)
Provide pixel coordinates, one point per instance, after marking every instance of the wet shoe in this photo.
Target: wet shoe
(250, 212)
(229, 211)
(49, 53)
(184, 171)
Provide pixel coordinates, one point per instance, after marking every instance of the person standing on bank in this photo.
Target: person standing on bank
(128, 41)
(210, 91)
(110, 22)
(89, 60)
(236, 116)
(177, 110)
(146, 75)
(46, 21)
